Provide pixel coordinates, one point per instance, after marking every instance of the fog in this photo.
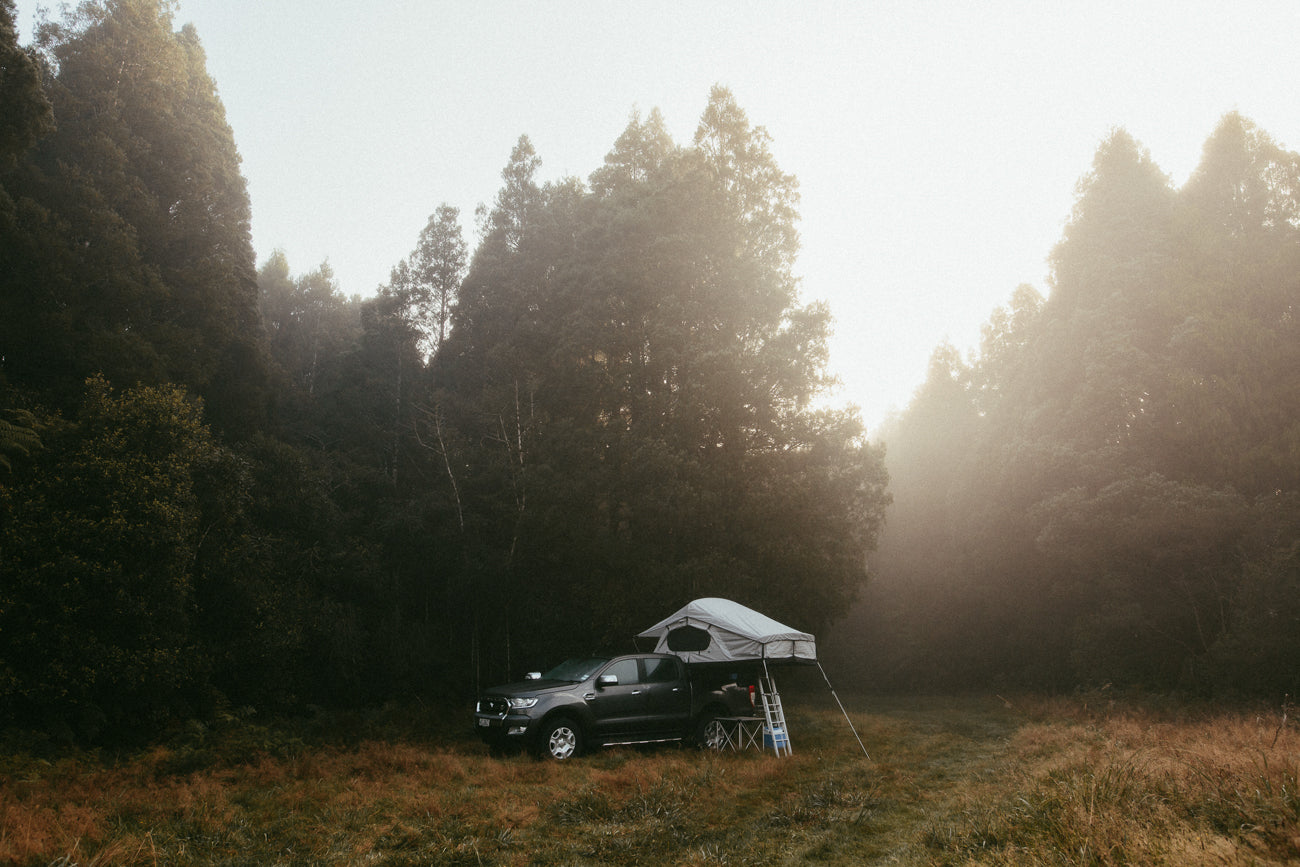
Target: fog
(937, 147)
(288, 422)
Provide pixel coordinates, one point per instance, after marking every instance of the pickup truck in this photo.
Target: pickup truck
(601, 700)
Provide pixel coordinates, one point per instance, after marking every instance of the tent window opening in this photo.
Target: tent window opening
(688, 639)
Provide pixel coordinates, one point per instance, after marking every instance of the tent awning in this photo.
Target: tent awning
(719, 630)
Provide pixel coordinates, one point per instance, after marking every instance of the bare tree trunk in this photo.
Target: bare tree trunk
(435, 415)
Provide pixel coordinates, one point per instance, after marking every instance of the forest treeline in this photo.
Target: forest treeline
(226, 486)
(1107, 492)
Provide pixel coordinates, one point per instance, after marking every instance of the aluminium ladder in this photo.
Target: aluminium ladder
(773, 714)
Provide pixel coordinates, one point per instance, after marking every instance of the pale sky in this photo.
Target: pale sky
(937, 144)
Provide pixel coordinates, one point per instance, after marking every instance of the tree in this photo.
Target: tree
(98, 545)
(1150, 562)
(638, 157)
(625, 400)
(308, 321)
(1119, 230)
(438, 266)
(1235, 402)
(18, 437)
(508, 221)
(131, 237)
(1246, 185)
(25, 112)
(763, 199)
(380, 378)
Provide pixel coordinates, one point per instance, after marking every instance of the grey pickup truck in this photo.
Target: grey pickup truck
(602, 700)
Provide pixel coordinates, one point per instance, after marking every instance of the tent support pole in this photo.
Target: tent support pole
(842, 710)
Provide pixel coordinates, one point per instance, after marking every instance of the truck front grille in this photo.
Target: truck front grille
(497, 706)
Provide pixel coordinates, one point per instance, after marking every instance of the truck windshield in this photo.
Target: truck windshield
(576, 670)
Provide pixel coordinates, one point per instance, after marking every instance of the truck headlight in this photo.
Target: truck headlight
(522, 703)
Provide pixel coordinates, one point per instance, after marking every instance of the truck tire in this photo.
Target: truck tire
(561, 740)
(708, 731)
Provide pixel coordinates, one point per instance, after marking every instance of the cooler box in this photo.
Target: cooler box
(775, 738)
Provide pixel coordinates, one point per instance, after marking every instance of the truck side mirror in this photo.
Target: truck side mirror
(606, 680)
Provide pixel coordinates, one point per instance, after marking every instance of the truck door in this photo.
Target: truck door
(617, 708)
(667, 696)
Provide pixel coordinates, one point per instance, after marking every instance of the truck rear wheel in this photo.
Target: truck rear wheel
(560, 740)
(709, 733)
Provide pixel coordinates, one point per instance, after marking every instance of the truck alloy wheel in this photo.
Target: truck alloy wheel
(709, 734)
(561, 740)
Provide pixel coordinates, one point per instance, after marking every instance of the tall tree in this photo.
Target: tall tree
(517, 200)
(1236, 413)
(628, 389)
(438, 266)
(132, 241)
(382, 375)
(308, 321)
(638, 156)
(25, 112)
(763, 198)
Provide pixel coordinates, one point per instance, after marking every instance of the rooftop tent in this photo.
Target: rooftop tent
(719, 630)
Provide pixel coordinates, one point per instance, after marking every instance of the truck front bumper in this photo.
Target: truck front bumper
(495, 728)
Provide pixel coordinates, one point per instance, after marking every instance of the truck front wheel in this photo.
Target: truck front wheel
(561, 739)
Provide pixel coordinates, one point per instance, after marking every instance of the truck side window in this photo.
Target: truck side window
(625, 670)
(661, 670)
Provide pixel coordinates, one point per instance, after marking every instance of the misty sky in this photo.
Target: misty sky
(937, 144)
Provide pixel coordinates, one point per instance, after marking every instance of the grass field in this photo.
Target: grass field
(972, 780)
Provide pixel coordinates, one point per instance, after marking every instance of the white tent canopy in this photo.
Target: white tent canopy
(719, 630)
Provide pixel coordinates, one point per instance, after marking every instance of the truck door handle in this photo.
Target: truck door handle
(636, 692)
(590, 696)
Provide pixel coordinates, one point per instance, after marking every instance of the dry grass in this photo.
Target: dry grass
(1127, 785)
(951, 781)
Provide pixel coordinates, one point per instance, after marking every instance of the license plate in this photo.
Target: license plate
(485, 722)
